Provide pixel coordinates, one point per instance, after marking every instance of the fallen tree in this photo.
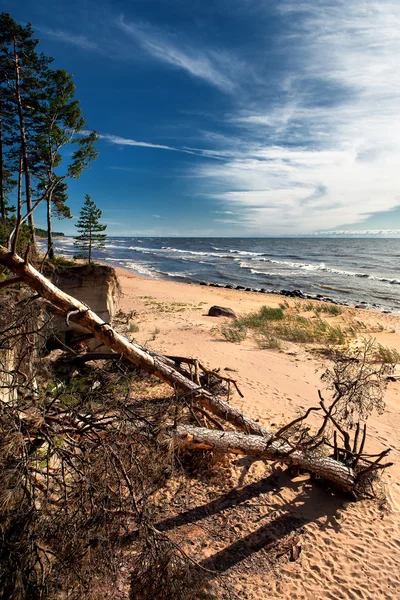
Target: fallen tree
(346, 469)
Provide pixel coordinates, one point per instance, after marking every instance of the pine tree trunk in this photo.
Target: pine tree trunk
(24, 149)
(19, 189)
(90, 246)
(50, 249)
(2, 198)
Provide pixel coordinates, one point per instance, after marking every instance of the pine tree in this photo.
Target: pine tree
(59, 123)
(22, 70)
(42, 138)
(90, 230)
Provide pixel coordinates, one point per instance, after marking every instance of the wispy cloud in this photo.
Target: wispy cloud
(121, 141)
(215, 67)
(311, 149)
(70, 38)
(327, 155)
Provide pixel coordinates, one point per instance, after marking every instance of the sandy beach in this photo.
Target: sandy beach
(348, 550)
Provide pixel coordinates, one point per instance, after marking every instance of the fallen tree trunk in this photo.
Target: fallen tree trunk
(200, 438)
(80, 313)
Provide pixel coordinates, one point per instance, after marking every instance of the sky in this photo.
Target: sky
(233, 117)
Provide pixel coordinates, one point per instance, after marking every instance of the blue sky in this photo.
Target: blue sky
(233, 117)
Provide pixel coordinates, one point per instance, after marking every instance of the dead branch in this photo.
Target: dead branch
(258, 441)
(10, 282)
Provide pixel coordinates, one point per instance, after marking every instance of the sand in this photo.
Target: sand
(348, 550)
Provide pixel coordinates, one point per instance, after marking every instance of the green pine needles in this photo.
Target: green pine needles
(90, 230)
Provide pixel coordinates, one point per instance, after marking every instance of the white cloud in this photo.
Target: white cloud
(215, 67)
(70, 38)
(359, 232)
(322, 151)
(331, 154)
(121, 141)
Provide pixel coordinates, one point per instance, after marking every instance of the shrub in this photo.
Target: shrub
(236, 332)
(387, 355)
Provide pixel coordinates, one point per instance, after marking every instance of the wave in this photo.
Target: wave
(247, 253)
(324, 268)
(193, 252)
(180, 275)
(143, 269)
(147, 270)
(165, 250)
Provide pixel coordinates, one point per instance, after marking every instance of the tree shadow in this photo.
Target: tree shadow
(310, 503)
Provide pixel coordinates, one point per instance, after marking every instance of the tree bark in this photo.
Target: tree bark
(90, 244)
(24, 149)
(2, 195)
(200, 438)
(50, 249)
(19, 190)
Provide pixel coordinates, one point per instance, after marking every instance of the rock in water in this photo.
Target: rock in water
(221, 311)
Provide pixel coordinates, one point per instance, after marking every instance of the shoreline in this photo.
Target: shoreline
(343, 281)
(296, 293)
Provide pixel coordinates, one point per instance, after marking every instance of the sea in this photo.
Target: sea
(348, 270)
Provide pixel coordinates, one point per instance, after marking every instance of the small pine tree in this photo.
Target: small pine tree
(90, 230)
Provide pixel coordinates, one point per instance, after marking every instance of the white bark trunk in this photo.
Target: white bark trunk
(200, 438)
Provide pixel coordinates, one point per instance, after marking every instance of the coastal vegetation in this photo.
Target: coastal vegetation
(91, 234)
(270, 326)
(43, 233)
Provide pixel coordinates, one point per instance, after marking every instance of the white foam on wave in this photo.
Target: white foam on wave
(142, 269)
(67, 241)
(321, 267)
(246, 253)
(173, 274)
(147, 270)
(165, 250)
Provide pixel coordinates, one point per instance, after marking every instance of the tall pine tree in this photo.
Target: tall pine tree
(90, 230)
(60, 124)
(21, 77)
(41, 128)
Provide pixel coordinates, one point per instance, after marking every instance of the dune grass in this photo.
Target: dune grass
(272, 325)
(327, 308)
(387, 355)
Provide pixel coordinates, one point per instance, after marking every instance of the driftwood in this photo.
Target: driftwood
(343, 469)
(200, 438)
